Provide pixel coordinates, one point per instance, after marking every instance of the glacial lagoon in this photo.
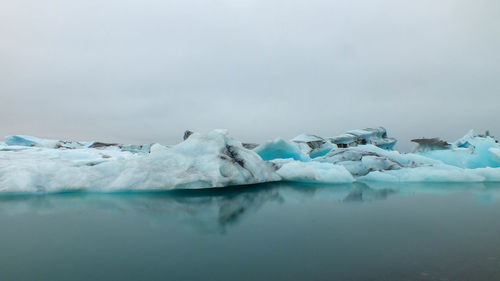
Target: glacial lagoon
(273, 231)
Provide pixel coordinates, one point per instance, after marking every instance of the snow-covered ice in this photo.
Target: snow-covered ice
(203, 160)
(214, 159)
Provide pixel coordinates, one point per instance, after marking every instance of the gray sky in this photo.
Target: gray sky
(144, 70)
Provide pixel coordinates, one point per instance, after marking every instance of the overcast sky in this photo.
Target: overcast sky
(144, 71)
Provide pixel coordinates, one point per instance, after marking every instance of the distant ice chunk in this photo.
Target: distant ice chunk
(428, 144)
(471, 152)
(376, 136)
(30, 141)
(21, 140)
(466, 140)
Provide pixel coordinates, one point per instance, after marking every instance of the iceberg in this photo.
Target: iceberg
(202, 161)
(21, 140)
(305, 147)
(214, 159)
(471, 151)
(30, 141)
(376, 136)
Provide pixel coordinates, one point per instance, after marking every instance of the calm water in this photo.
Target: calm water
(266, 232)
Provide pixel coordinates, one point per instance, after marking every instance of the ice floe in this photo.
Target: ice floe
(214, 159)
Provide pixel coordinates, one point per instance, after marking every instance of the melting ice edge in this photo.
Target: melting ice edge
(214, 159)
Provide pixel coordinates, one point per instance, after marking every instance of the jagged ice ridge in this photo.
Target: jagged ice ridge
(214, 159)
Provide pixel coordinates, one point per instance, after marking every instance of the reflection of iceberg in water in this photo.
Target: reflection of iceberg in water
(207, 210)
(484, 192)
(363, 192)
(225, 206)
(212, 211)
(232, 208)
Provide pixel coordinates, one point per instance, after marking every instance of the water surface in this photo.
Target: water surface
(279, 231)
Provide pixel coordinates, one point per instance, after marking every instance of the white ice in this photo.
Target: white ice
(203, 160)
(312, 172)
(215, 160)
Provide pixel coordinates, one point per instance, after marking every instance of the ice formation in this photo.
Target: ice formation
(216, 160)
(203, 160)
